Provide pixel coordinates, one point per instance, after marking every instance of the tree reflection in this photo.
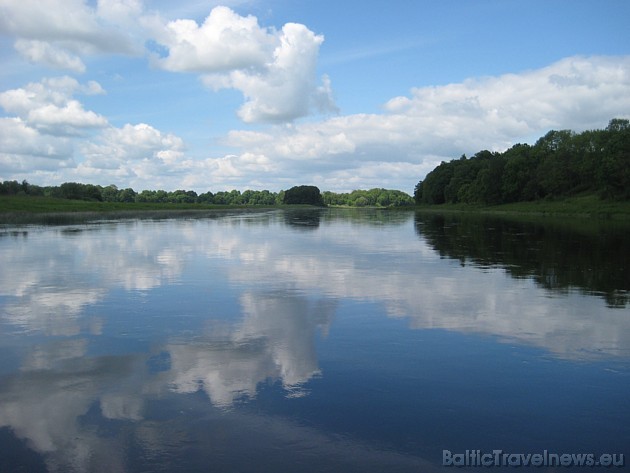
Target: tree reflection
(559, 255)
(303, 219)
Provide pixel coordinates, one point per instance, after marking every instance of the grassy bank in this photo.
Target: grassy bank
(34, 204)
(587, 206)
(27, 209)
(49, 210)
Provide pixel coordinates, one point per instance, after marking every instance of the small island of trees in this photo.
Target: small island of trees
(309, 195)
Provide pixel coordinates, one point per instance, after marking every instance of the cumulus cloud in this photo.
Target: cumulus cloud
(131, 147)
(287, 88)
(45, 117)
(119, 11)
(225, 172)
(576, 92)
(394, 148)
(24, 149)
(416, 132)
(225, 41)
(275, 70)
(49, 106)
(17, 138)
(138, 156)
(45, 53)
(51, 131)
(397, 147)
(57, 32)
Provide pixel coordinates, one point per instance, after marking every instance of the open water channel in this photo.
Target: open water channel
(314, 341)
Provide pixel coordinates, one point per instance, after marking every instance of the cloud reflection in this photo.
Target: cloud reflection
(274, 341)
(259, 293)
(46, 401)
(61, 274)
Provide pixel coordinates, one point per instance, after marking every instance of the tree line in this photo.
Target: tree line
(111, 193)
(295, 195)
(369, 198)
(560, 164)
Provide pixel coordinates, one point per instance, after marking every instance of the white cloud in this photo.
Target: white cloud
(17, 138)
(138, 156)
(52, 129)
(49, 107)
(117, 148)
(59, 19)
(141, 141)
(57, 32)
(395, 148)
(440, 123)
(45, 53)
(576, 93)
(68, 118)
(275, 70)
(286, 89)
(24, 149)
(225, 41)
(303, 142)
(119, 11)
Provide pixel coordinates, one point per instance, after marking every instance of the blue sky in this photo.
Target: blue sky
(256, 94)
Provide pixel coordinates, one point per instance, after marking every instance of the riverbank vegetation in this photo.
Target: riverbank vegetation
(369, 198)
(583, 206)
(561, 164)
(78, 197)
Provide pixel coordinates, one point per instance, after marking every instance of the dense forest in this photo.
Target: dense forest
(560, 164)
(295, 195)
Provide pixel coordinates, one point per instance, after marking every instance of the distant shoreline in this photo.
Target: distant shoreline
(26, 209)
(20, 210)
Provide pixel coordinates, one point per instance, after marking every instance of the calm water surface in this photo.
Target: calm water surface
(311, 341)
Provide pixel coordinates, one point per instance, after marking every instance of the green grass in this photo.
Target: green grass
(49, 210)
(33, 204)
(576, 206)
(27, 209)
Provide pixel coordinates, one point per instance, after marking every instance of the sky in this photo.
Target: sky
(268, 94)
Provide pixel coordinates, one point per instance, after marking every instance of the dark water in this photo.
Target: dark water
(311, 341)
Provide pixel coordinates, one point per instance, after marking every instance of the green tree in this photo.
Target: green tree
(110, 193)
(464, 172)
(518, 171)
(206, 198)
(310, 195)
(280, 198)
(361, 201)
(10, 187)
(126, 195)
(435, 183)
(78, 191)
(614, 172)
(417, 192)
(555, 171)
